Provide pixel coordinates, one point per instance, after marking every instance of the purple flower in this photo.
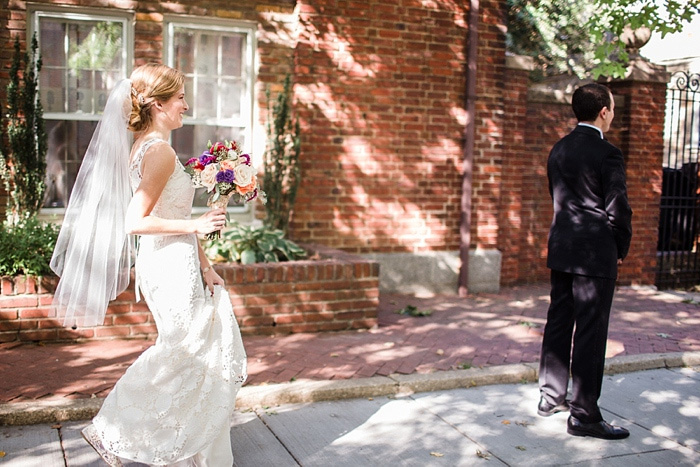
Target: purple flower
(245, 159)
(206, 158)
(225, 176)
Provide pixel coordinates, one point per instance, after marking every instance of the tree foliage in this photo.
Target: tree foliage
(281, 160)
(611, 17)
(583, 38)
(554, 33)
(24, 141)
(99, 50)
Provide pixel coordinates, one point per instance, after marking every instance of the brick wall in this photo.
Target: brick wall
(336, 291)
(489, 153)
(516, 164)
(340, 291)
(545, 122)
(637, 130)
(380, 88)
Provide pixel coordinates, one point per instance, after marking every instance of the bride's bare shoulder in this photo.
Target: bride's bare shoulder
(159, 156)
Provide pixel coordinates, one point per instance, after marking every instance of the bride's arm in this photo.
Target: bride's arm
(155, 172)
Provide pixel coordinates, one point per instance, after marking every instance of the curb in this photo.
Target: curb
(251, 397)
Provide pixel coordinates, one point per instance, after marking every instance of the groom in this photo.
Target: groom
(588, 239)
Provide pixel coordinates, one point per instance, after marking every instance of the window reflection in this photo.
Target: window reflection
(83, 58)
(216, 76)
(67, 143)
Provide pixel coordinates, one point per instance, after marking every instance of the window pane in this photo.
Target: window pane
(207, 55)
(213, 63)
(232, 50)
(216, 86)
(205, 98)
(82, 59)
(231, 94)
(53, 90)
(53, 43)
(184, 51)
(67, 143)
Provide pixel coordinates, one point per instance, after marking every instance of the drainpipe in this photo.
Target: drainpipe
(468, 151)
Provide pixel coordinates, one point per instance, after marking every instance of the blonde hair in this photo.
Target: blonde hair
(149, 83)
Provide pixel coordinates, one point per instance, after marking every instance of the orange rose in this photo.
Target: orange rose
(248, 188)
(227, 164)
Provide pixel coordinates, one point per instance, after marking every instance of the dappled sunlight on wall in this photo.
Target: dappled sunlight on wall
(378, 89)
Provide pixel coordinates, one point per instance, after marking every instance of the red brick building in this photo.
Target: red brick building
(380, 88)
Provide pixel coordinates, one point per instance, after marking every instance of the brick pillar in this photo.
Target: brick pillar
(516, 161)
(490, 115)
(638, 130)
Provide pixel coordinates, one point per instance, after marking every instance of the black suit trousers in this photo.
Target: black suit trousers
(581, 303)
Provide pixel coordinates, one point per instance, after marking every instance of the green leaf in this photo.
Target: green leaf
(26, 247)
(265, 246)
(248, 256)
(270, 258)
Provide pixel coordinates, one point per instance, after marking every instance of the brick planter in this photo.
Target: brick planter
(333, 292)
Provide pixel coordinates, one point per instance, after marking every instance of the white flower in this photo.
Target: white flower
(208, 176)
(232, 155)
(244, 174)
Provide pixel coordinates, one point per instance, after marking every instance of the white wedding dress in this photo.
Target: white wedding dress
(174, 404)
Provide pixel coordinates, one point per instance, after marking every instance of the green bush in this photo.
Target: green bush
(26, 247)
(23, 141)
(246, 245)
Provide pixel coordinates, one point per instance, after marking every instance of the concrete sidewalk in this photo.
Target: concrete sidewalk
(486, 425)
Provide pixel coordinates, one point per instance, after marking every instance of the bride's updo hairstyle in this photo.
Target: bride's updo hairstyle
(149, 83)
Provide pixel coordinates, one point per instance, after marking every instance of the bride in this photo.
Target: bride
(173, 405)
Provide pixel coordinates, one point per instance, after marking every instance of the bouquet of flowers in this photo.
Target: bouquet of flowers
(226, 173)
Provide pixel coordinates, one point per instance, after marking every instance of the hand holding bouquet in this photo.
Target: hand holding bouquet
(226, 173)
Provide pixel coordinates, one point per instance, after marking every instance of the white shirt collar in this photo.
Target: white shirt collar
(593, 126)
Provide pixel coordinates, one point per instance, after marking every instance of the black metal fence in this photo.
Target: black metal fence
(679, 218)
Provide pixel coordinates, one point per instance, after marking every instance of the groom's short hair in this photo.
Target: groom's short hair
(588, 100)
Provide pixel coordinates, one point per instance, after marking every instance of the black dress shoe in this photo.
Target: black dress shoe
(545, 409)
(601, 429)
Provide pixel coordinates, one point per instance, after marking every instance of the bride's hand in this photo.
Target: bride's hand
(211, 278)
(210, 221)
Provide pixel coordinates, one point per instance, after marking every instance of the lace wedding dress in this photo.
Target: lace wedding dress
(173, 405)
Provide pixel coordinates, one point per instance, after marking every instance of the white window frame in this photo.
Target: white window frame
(247, 28)
(84, 14)
(35, 13)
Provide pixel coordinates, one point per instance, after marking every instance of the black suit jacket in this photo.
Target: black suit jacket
(591, 227)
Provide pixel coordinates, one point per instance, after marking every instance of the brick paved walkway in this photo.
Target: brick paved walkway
(481, 330)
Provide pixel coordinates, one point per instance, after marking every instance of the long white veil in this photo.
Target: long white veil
(93, 253)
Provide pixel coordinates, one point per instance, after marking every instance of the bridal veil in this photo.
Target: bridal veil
(93, 254)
